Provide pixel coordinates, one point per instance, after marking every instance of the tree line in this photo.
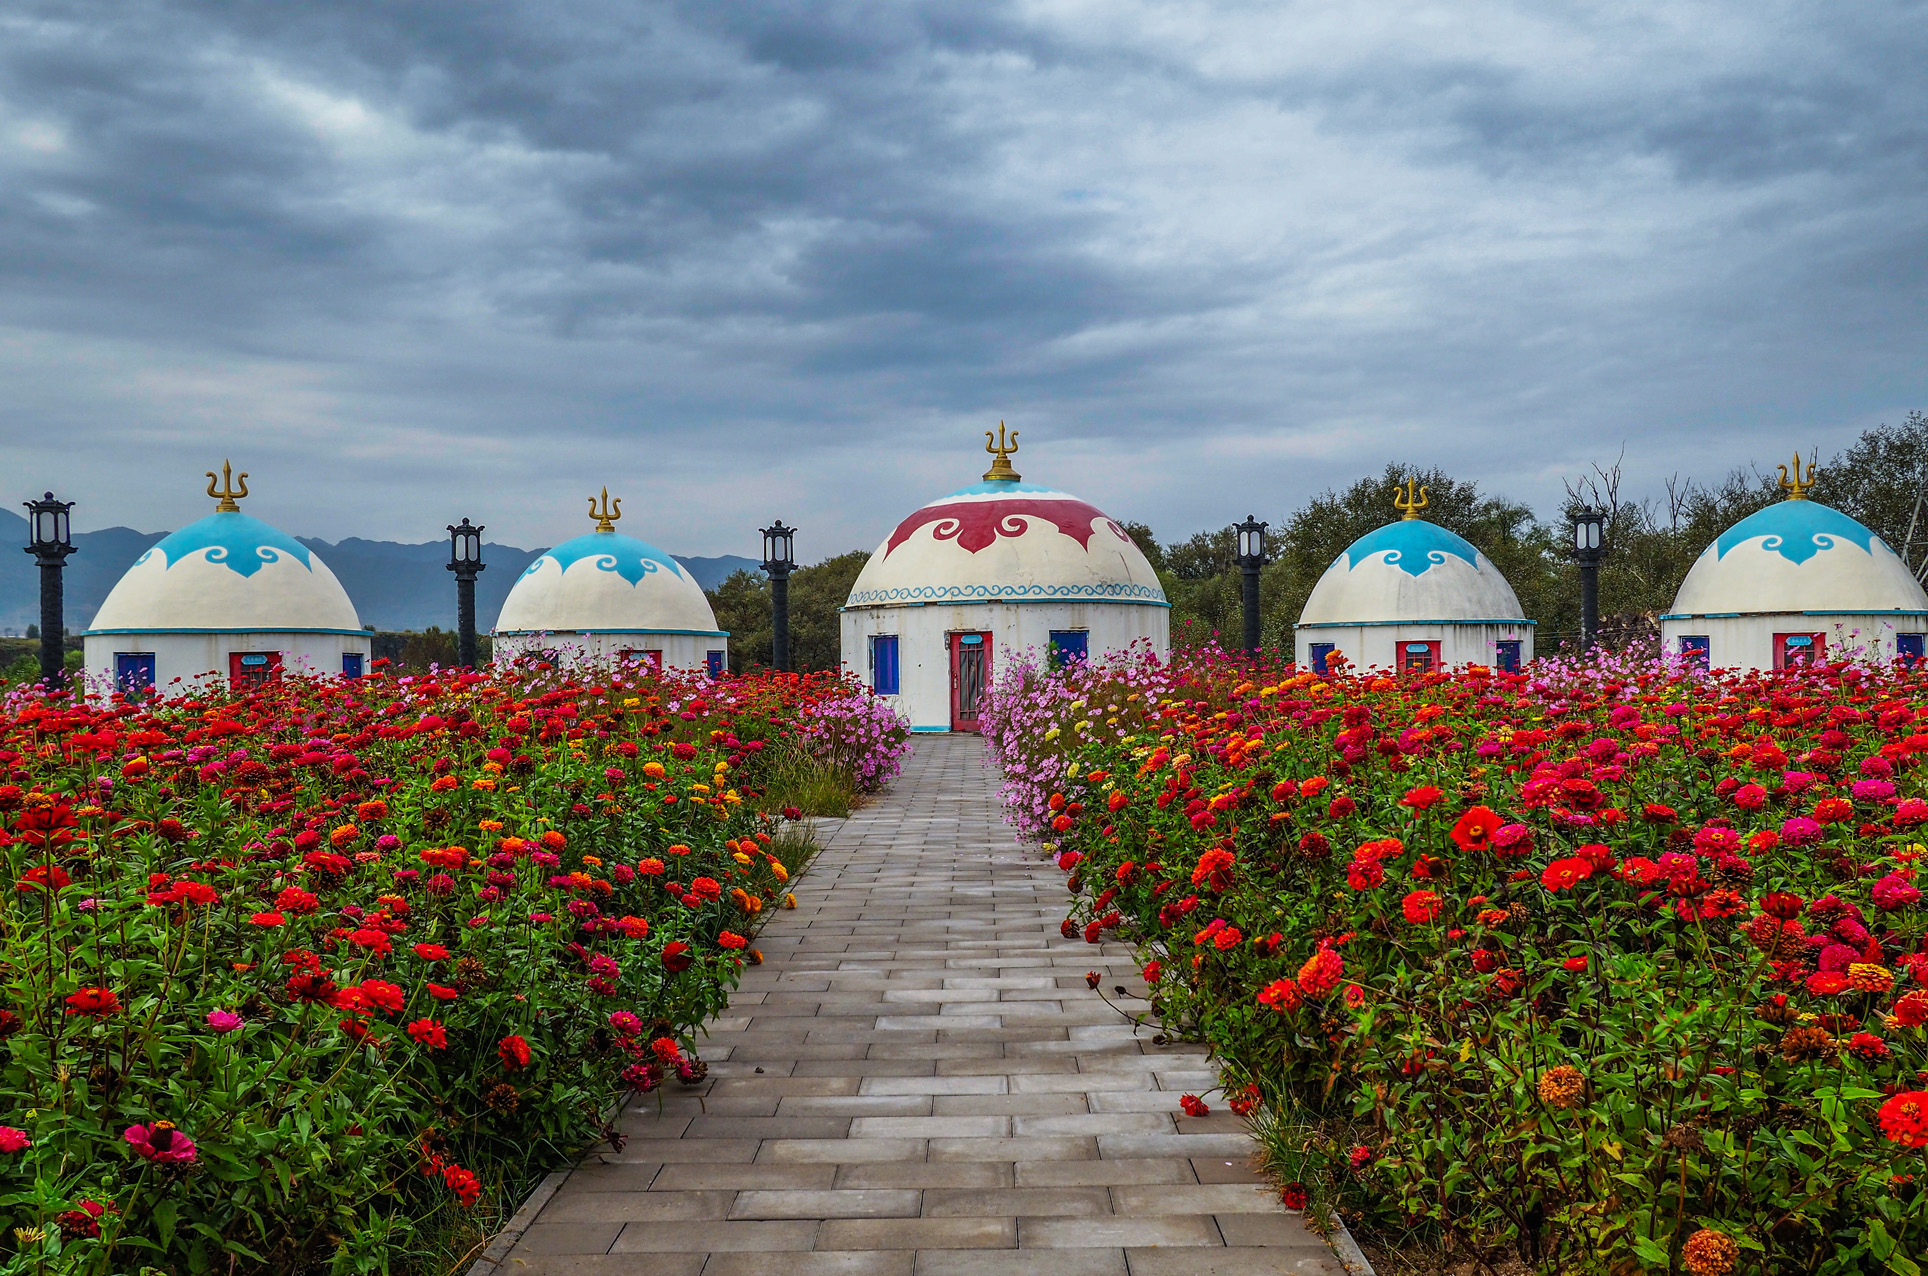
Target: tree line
(1651, 543)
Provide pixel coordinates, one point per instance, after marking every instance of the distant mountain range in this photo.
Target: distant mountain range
(394, 586)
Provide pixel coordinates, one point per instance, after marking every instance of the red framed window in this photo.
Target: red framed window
(1794, 650)
(651, 656)
(1418, 657)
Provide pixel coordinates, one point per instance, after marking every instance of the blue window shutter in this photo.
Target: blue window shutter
(1068, 645)
(133, 670)
(714, 660)
(883, 664)
(1319, 651)
(351, 664)
(1695, 649)
(1509, 655)
(1911, 647)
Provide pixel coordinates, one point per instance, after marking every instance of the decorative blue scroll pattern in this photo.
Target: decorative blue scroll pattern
(1412, 545)
(610, 552)
(1796, 530)
(1123, 591)
(235, 541)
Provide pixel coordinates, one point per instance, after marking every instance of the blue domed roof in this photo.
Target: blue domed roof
(612, 552)
(1797, 556)
(228, 572)
(236, 541)
(1411, 571)
(1796, 530)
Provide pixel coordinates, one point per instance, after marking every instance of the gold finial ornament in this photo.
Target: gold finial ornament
(1797, 487)
(1406, 502)
(1001, 471)
(606, 517)
(227, 496)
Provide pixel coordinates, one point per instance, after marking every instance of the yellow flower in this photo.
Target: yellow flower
(781, 873)
(789, 901)
(485, 784)
(740, 858)
(493, 768)
(654, 770)
(699, 788)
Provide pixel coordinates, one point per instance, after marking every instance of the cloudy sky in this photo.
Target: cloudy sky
(409, 260)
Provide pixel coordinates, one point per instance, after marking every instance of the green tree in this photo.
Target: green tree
(817, 594)
(1880, 480)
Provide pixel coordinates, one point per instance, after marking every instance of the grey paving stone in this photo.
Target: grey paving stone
(838, 1203)
(918, 1233)
(938, 1093)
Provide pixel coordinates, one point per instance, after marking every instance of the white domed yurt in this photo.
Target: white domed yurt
(1796, 583)
(227, 597)
(1412, 596)
(993, 569)
(608, 596)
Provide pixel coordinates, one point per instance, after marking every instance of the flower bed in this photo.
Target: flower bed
(288, 973)
(1606, 968)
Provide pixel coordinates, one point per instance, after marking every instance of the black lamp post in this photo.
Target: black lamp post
(465, 560)
(1251, 557)
(50, 543)
(779, 559)
(1589, 547)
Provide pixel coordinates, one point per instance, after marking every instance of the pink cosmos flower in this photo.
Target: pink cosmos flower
(224, 1020)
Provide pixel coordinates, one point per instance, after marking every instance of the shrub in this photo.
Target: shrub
(1613, 967)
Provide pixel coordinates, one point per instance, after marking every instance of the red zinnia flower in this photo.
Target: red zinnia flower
(514, 1053)
(676, 957)
(1904, 1118)
(1422, 797)
(1474, 830)
(429, 1033)
(1293, 1195)
(1193, 1105)
(431, 952)
(1564, 874)
(1321, 972)
(95, 1003)
(1420, 907)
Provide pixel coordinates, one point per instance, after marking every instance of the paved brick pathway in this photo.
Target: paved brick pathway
(918, 1083)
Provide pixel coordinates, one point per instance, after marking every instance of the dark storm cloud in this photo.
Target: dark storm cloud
(741, 257)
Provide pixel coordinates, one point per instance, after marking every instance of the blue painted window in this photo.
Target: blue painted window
(1696, 650)
(351, 664)
(1320, 651)
(1910, 648)
(715, 661)
(883, 664)
(1068, 645)
(1508, 655)
(133, 671)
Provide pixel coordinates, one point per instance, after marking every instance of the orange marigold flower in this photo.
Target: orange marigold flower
(343, 835)
(554, 840)
(1710, 1253)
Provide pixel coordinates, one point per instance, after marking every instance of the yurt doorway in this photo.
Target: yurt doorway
(970, 675)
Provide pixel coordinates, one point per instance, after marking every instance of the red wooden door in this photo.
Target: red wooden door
(1792, 650)
(970, 675)
(252, 668)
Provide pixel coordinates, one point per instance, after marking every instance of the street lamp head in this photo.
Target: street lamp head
(47, 527)
(779, 547)
(1251, 542)
(465, 547)
(1589, 525)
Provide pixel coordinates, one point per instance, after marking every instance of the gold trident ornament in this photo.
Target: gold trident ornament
(227, 495)
(607, 516)
(1796, 487)
(1406, 502)
(1001, 471)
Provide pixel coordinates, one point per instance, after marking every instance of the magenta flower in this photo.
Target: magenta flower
(1894, 891)
(1873, 790)
(1800, 831)
(12, 1140)
(161, 1142)
(224, 1020)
